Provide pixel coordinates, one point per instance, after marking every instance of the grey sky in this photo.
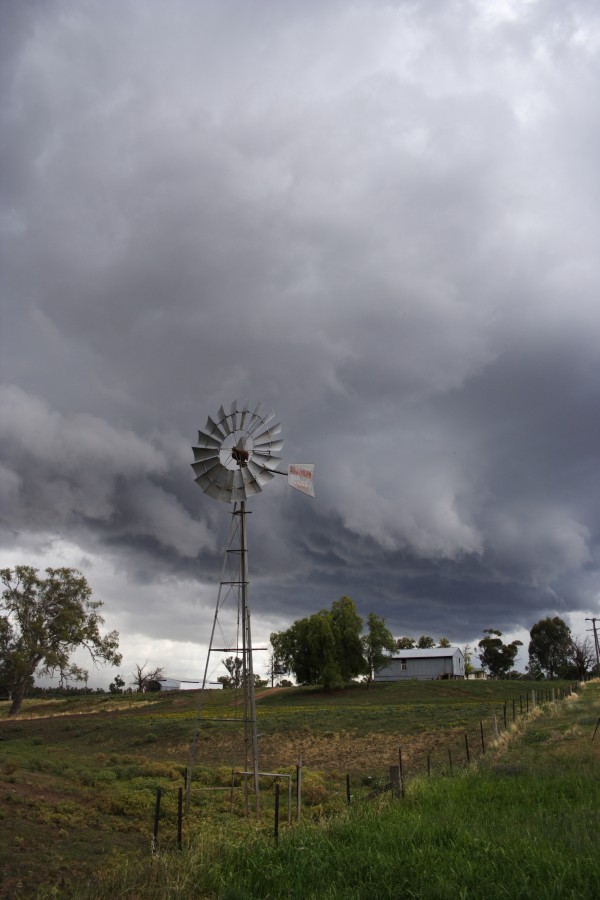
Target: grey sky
(379, 218)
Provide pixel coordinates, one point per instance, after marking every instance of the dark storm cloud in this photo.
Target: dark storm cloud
(378, 218)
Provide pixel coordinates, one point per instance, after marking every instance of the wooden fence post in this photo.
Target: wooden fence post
(179, 816)
(156, 818)
(401, 771)
(395, 779)
(298, 788)
(276, 823)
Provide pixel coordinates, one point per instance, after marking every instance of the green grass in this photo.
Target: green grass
(523, 824)
(78, 780)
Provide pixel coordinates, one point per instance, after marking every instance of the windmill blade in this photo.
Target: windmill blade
(233, 416)
(208, 440)
(261, 421)
(271, 445)
(204, 453)
(213, 429)
(244, 413)
(207, 472)
(260, 473)
(266, 460)
(250, 481)
(224, 421)
(260, 437)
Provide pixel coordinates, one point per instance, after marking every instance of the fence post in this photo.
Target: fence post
(276, 824)
(156, 817)
(495, 727)
(179, 816)
(298, 788)
(401, 771)
(467, 749)
(395, 779)
(504, 714)
(482, 738)
(450, 759)
(429, 765)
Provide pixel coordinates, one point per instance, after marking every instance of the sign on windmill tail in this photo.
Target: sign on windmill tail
(238, 453)
(300, 477)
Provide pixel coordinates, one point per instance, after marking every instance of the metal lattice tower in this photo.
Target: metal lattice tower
(236, 456)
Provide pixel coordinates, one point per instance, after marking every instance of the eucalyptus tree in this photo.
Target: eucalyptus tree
(496, 657)
(44, 621)
(378, 644)
(550, 646)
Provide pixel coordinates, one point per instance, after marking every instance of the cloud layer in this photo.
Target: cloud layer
(378, 218)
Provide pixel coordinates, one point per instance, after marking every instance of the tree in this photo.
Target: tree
(234, 666)
(324, 648)
(550, 645)
(405, 643)
(378, 643)
(468, 665)
(444, 642)
(425, 642)
(117, 686)
(581, 657)
(347, 628)
(141, 677)
(45, 620)
(275, 667)
(497, 657)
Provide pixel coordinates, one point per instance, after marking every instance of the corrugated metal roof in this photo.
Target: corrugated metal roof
(426, 654)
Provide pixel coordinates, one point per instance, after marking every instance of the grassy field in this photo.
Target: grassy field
(78, 779)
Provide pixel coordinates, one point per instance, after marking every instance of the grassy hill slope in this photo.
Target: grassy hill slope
(78, 779)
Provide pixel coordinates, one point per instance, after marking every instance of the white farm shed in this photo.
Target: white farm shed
(440, 662)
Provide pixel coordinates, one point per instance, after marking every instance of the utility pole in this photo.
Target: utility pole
(596, 643)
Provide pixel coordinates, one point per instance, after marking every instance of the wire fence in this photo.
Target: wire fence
(461, 751)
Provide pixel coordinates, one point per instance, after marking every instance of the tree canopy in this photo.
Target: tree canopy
(44, 621)
(425, 642)
(551, 646)
(325, 648)
(497, 657)
(405, 643)
(142, 676)
(378, 643)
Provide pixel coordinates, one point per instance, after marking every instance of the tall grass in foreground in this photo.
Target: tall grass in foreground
(475, 835)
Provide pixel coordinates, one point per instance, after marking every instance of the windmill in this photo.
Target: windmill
(237, 454)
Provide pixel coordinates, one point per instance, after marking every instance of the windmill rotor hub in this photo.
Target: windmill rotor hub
(237, 452)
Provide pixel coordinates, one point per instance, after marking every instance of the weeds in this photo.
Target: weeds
(84, 789)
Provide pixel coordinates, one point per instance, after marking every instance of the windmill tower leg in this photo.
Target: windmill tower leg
(250, 724)
(234, 581)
